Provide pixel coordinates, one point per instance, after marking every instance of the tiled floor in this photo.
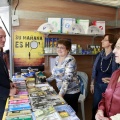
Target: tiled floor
(88, 108)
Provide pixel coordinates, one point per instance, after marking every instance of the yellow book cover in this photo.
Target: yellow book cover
(28, 49)
(19, 97)
(5, 111)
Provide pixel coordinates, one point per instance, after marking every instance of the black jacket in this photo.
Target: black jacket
(4, 80)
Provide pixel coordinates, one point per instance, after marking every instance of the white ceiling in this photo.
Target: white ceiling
(111, 3)
(4, 3)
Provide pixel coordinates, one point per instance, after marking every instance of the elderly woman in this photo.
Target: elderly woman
(109, 106)
(64, 72)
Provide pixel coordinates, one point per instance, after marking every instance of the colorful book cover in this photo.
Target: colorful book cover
(47, 113)
(17, 107)
(37, 94)
(19, 101)
(66, 23)
(84, 24)
(28, 50)
(30, 79)
(22, 117)
(22, 93)
(56, 22)
(16, 113)
(39, 103)
(15, 79)
(34, 89)
(55, 100)
(5, 111)
(18, 97)
(65, 110)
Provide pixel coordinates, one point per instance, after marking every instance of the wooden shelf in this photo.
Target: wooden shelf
(112, 28)
(54, 54)
(73, 34)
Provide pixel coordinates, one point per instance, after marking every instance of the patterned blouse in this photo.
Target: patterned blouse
(65, 76)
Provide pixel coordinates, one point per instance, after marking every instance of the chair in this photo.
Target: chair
(83, 77)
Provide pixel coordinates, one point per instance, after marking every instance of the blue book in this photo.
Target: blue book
(14, 79)
(17, 107)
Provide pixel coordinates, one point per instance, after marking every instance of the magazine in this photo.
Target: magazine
(55, 100)
(49, 90)
(30, 79)
(65, 110)
(39, 103)
(37, 94)
(18, 107)
(16, 113)
(45, 101)
(31, 90)
(14, 79)
(21, 117)
(46, 114)
(19, 101)
(18, 97)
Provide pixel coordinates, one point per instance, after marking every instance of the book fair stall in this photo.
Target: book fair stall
(33, 29)
(36, 100)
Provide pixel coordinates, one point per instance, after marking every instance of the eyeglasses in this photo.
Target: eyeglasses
(61, 48)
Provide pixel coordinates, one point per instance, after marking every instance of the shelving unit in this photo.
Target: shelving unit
(54, 54)
(113, 28)
(68, 34)
(47, 55)
(96, 35)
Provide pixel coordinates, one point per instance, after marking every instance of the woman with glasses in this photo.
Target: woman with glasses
(64, 72)
(103, 68)
(109, 106)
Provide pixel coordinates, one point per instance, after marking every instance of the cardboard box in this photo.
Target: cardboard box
(100, 25)
(84, 24)
(56, 22)
(66, 23)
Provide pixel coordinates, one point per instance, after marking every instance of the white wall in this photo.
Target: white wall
(4, 13)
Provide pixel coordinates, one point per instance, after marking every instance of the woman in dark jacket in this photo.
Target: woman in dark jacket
(109, 106)
(103, 68)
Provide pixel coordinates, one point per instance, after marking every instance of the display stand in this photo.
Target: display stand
(37, 102)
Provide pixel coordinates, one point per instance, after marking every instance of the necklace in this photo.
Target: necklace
(107, 67)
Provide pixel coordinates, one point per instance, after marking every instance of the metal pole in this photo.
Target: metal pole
(10, 41)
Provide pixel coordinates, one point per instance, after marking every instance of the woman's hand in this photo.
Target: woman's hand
(106, 80)
(99, 115)
(105, 118)
(13, 91)
(92, 89)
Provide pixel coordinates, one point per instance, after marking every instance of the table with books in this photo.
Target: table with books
(36, 101)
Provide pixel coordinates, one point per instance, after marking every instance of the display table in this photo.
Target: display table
(37, 102)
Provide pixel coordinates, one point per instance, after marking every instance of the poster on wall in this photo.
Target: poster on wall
(28, 50)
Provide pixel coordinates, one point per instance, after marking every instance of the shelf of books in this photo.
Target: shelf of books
(36, 100)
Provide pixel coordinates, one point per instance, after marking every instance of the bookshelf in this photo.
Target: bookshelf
(73, 38)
